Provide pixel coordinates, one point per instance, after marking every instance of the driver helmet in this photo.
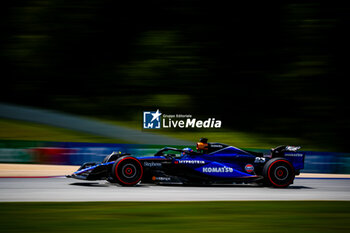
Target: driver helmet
(187, 150)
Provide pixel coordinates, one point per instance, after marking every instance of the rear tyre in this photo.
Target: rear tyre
(127, 171)
(279, 173)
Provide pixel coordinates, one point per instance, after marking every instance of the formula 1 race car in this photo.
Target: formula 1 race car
(212, 163)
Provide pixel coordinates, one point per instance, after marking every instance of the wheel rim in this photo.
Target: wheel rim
(280, 173)
(128, 171)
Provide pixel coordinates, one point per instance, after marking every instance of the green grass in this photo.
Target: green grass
(99, 217)
(21, 130)
(230, 137)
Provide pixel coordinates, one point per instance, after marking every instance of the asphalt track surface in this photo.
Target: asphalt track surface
(65, 189)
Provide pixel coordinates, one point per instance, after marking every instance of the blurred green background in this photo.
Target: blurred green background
(246, 216)
(271, 69)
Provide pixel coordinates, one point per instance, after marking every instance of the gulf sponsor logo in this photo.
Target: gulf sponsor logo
(249, 168)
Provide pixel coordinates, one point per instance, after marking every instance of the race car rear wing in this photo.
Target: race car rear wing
(292, 154)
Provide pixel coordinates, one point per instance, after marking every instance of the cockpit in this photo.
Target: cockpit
(204, 147)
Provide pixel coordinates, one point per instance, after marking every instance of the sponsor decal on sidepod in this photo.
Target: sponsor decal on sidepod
(217, 169)
(192, 161)
(151, 164)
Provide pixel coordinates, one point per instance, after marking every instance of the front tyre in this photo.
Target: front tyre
(127, 171)
(279, 173)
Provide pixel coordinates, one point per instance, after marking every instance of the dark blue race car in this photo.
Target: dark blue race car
(212, 163)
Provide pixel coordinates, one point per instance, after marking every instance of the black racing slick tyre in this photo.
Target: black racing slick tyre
(279, 173)
(127, 171)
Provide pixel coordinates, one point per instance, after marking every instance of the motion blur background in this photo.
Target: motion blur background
(277, 69)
